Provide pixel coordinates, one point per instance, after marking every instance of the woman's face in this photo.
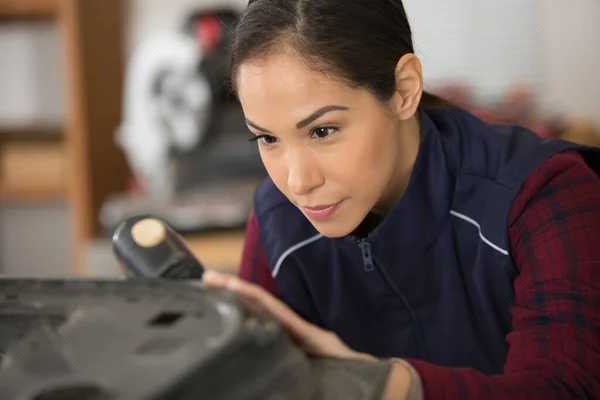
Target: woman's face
(333, 151)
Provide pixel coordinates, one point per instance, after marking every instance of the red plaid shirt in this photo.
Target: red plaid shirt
(554, 235)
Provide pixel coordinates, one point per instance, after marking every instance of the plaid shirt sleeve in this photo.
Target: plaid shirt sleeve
(554, 235)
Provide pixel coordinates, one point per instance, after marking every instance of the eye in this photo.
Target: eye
(264, 139)
(323, 132)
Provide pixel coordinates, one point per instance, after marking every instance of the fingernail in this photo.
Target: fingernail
(208, 274)
(233, 284)
(211, 276)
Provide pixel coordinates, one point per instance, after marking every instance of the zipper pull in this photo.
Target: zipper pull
(365, 248)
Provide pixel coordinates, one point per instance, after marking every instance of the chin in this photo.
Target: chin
(343, 223)
(333, 229)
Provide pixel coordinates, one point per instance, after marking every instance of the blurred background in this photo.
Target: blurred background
(110, 108)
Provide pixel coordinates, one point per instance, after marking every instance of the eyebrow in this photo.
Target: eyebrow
(306, 121)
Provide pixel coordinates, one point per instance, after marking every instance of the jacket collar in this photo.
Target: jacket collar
(419, 217)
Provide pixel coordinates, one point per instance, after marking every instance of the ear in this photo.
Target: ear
(409, 87)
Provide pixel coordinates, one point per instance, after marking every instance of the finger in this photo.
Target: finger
(310, 338)
(273, 304)
(233, 283)
(303, 330)
(214, 279)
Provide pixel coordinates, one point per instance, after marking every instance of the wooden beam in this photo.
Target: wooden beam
(28, 9)
(94, 45)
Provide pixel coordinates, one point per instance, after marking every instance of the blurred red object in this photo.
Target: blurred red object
(209, 31)
(516, 107)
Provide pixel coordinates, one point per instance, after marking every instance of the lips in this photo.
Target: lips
(321, 212)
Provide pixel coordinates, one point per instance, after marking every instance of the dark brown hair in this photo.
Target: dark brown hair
(357, 41)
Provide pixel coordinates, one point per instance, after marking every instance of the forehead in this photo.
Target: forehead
(284, 80)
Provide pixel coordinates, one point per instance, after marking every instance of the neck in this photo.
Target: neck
(408, 148)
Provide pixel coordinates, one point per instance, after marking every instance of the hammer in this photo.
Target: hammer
(147, 247)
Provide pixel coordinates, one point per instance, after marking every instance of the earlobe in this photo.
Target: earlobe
(409, 86)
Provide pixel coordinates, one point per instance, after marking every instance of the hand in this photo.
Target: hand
(312, 339)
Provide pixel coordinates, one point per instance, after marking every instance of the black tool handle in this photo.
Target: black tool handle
(147, 247)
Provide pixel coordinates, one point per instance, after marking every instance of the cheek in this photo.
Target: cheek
(276, 169)
(365, 162)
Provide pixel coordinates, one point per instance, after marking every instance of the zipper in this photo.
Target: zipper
(370, 261)
(413, 316)
(365, 249)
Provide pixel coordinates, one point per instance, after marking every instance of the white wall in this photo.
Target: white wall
(31, 74)
(551, 44)
(571, 56)
(489, 45)
(34, 240)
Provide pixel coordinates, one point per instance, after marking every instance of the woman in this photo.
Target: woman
(394, 225)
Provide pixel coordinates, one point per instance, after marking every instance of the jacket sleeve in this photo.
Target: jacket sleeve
(554, 237)
(254, 267)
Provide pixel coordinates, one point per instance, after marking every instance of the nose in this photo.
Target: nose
(304, 174)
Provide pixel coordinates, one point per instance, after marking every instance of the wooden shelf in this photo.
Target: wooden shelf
(96, 167)
(31, 135)
(28, 9)
(13, 195)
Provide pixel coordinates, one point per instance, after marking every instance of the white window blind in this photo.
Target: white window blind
(487, 44)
